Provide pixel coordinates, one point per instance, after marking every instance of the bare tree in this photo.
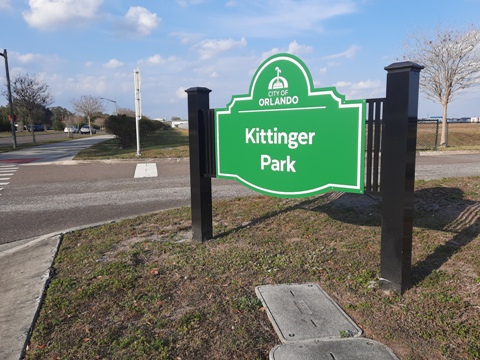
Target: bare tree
(88, 106)
(29, 92)
(452, 63)
(126, 111)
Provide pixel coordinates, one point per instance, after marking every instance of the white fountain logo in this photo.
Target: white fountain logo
(278, 92)
(278, 82)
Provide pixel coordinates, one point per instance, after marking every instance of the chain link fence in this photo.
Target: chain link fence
(427, 134)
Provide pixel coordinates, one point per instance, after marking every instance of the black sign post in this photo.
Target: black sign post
(397, 177)
(200, 185)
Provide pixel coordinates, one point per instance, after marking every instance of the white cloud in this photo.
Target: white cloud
(349, 53)
(186, 3)
(363, 89)
(82, 84)
(5, 4)
(294, 48)
(280, 18)
(35, 62)
(209, 48)
(297, 49)
(185, 37)
(180, 93)
(156, 59)
(138, 21)
(28, 58)
(113, 64)
(269, 53)
(342, 84)
(367, 85)
(172, 61)
(54, 14)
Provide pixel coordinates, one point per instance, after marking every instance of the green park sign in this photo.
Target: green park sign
(286, 138)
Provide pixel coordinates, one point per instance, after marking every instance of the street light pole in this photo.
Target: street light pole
(113, 101)
(10, 103)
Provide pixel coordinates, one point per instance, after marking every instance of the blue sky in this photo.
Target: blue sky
(91, 47)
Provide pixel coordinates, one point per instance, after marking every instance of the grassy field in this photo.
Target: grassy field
(461, 136)
(163, 144)
(140, 289)
(464, 136)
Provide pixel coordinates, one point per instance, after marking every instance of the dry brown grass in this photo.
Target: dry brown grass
(139, 289)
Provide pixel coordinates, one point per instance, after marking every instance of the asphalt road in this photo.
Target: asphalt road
(42, 199)
(437, 165)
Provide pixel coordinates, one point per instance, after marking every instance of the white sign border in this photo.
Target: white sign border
(361, 128)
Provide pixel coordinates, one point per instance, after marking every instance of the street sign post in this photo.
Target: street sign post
(288, 139)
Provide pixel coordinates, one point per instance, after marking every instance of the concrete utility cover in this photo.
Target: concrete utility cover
(302, 312)
(343, 349)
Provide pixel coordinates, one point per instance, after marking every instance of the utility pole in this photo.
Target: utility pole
(113, 101)
(11, 116)
(138, 107)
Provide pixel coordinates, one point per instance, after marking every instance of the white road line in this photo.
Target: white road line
(146, 170)
(6, 170)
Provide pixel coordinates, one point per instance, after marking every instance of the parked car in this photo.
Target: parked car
(36, 128)
(72, 129)
(86, 130)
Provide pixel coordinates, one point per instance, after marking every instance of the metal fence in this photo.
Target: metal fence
(373, 143)
(427, 134)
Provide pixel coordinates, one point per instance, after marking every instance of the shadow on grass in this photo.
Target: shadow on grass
(256, 221)
(447, 210)
(439, 208)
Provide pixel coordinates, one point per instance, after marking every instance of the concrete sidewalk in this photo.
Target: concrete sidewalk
(25, 270)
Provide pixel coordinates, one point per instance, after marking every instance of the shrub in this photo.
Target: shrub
(123, 127)
(57, 125)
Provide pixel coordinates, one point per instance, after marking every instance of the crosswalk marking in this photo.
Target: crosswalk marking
(6, 171)
(146, 170)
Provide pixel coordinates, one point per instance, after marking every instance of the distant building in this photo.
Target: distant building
(182, 124)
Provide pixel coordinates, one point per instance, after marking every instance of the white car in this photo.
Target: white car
(72, 129)
(86, 130)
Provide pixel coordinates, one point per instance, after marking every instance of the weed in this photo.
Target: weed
(246, 303)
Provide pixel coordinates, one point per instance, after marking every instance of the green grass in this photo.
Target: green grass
(7, 146)
(172, 143)
(138, 289)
